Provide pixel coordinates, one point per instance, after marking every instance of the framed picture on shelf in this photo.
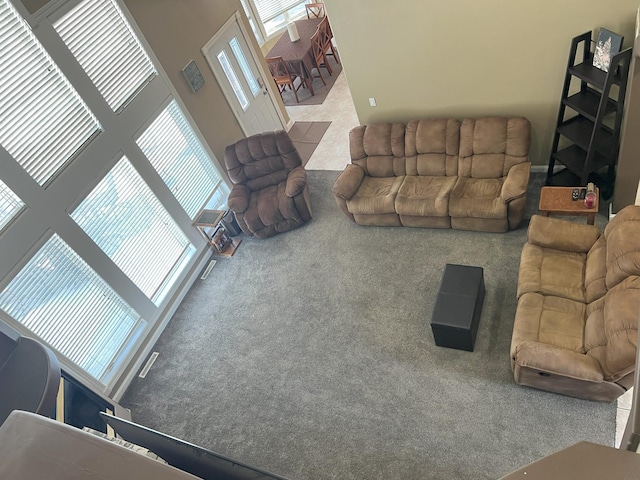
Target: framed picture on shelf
(607, 45)
(220, 239)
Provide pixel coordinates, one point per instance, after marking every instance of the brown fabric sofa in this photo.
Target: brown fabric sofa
(439, 173)
(575, 329)
(270, 193)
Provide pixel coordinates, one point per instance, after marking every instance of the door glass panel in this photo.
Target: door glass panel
(233, 80)
(244, 66)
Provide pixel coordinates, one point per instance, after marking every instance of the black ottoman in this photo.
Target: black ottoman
(458, 307)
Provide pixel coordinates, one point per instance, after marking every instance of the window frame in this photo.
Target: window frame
(47, 209)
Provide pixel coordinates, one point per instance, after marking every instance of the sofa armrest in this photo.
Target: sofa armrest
(296, 181)
(238, 200)
(561, 234)
(558, 361)
(347, 183)
(515, 184)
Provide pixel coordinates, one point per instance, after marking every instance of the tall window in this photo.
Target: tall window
(54, 283)
(175, 152)
(128, 223)
(60, 299)
(274, 14)
(10, 204)
(43, 122)
(101, 39)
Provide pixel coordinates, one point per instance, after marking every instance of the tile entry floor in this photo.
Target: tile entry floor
(332, 153)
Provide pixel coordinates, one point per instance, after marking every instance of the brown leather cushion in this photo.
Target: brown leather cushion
(549, 320)
(425, 196)
(551, 272)
(623, 245)
(477, 198)
(376, 195)
(611, 328)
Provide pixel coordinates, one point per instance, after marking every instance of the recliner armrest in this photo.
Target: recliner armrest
(296, 181)
(561, 234)
(348, 182)
(515, 184)
(558, 361)
(238, 200)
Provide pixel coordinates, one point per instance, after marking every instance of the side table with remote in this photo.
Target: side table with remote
(558, 201)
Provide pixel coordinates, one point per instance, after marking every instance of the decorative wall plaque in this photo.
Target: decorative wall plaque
(193, 75)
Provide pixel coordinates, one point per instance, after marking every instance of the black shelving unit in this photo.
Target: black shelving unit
(587, 136)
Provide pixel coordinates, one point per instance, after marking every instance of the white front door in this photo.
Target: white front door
(241, 80)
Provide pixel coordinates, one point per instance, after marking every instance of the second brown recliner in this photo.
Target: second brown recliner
(270, 193)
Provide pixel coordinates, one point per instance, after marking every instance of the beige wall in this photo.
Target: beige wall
(467, 58)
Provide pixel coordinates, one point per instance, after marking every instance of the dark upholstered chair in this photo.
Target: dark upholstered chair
(270, 193)
(29, 378)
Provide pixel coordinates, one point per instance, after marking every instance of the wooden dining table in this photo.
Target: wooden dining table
(298, 55)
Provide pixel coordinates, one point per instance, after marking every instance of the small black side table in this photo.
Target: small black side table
(458, 307)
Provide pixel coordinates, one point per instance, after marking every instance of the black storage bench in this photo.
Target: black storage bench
(458, 307)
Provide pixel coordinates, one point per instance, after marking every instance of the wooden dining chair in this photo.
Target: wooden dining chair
(315, 10)
(327, 35)
(282, 76)
(319, 57)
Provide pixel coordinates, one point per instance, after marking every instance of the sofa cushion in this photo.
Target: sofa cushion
(431, 147)
(264, 209)
(550, 320)
(376, 195)
(611, 328)
(378, 149)
(425, 196)
(478, 198)
(490, 146)
(551, 272)
(623, 247)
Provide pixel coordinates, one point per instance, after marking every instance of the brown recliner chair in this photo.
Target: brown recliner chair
(270, 193)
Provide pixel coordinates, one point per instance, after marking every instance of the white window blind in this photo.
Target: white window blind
(61, 300)
(10, 204)
(174, 151)
(102, 41)
(269, 9)
(43, 121)
(125, 219)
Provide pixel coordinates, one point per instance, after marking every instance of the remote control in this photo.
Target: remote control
(583, 193)
(574, 194)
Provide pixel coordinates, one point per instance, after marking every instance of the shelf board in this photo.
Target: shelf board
(587, 72)
(575, 158)
(587, 101)
(579, 130)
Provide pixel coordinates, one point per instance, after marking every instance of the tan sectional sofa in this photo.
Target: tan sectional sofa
(575, 329)
(439, 173)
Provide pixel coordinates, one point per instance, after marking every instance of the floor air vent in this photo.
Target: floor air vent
(147, 367)
(207, 270)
